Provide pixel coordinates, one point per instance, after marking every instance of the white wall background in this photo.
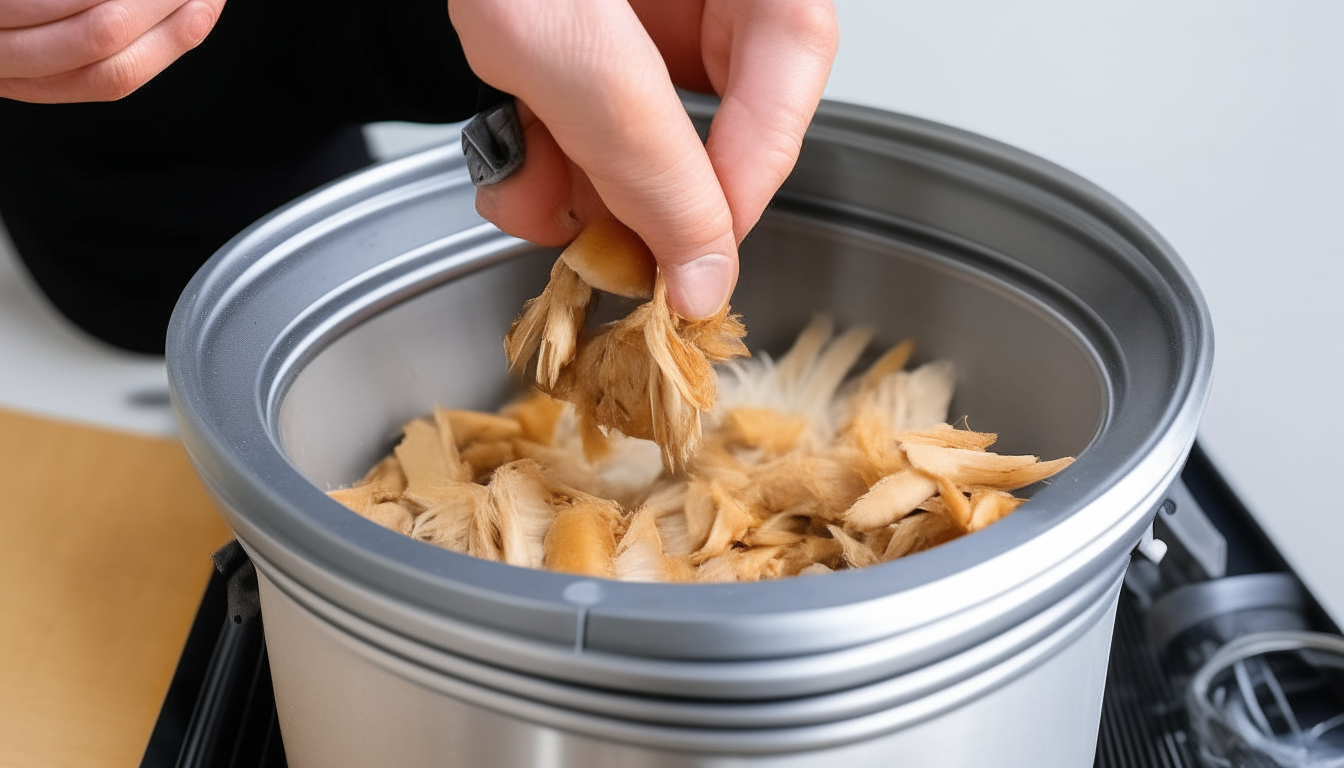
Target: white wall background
(1220, 122)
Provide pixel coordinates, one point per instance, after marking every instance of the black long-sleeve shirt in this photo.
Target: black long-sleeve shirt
(113, 206)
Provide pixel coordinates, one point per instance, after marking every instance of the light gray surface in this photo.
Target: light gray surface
(389, 140)
(1189, 527)
(1219, 122)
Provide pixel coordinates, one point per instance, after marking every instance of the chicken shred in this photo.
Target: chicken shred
(649, 375)
(760, 469)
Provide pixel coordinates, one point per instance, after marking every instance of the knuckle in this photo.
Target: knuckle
(704, 221)
(109, 28)
(495, 36)
(814, 25)
(781, 151)
(118, 77)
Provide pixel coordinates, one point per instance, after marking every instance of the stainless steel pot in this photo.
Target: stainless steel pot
(302, 345)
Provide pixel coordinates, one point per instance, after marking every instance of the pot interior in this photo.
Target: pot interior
(1023, 370)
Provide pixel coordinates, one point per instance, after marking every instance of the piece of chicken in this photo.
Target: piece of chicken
(648, 375)
(799, 473)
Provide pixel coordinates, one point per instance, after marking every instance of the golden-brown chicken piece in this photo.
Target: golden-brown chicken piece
(649, 375)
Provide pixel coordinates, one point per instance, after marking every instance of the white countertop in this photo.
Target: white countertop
(1222, 123)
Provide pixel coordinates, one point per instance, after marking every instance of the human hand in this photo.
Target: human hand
(605, 130)
(54, 51)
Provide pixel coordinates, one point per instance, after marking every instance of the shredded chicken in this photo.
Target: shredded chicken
(798, 472)
(649, 375)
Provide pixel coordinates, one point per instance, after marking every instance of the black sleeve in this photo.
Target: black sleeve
(385, 61)
(114, 206)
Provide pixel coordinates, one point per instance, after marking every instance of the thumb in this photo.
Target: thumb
(592, 75)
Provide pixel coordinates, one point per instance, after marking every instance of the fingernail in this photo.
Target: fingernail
(200, 20)
(700, 288)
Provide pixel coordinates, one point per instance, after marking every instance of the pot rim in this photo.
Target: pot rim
(1092, 513)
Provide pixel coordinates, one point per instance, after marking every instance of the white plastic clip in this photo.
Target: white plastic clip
(1152, 548)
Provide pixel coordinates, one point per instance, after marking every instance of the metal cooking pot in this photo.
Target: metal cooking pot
(299, 349)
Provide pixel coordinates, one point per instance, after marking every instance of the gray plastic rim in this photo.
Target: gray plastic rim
(1193, 604)
(226, 383)
(905, 698)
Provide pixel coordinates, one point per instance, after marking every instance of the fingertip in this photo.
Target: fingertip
(700, 287)
(487, 202)
(199, 18)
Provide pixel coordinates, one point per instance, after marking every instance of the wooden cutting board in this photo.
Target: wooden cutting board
(104, 555)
